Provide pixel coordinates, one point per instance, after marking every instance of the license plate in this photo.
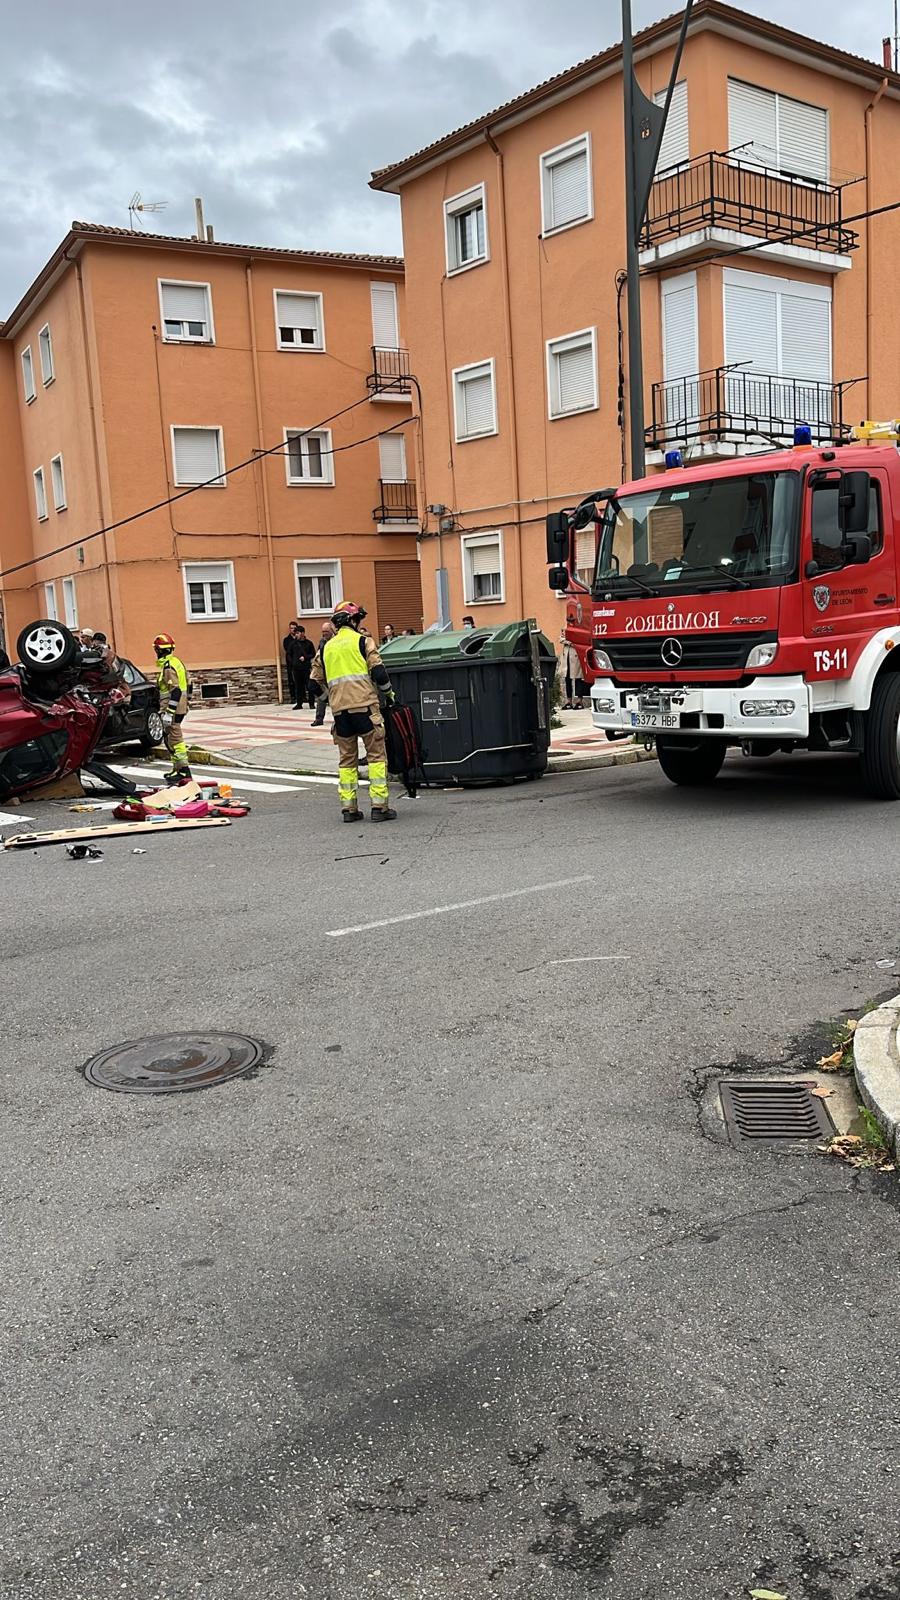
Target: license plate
(653, 719)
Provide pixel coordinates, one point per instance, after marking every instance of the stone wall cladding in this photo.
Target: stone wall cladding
(247, 686)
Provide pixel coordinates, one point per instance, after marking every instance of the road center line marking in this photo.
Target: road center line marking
(458, 905)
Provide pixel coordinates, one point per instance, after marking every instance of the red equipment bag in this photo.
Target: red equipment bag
(403, 742)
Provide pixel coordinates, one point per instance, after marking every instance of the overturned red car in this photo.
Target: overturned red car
(54, 704)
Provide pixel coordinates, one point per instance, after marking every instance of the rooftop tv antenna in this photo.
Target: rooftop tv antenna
(138, 207)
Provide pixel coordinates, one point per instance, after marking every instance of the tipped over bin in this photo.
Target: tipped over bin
(482, 698)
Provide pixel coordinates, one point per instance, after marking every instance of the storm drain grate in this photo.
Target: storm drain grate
(766, 1112)
(171, 1063)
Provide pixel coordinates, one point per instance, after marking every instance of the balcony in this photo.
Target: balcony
(398, 505)
(726, 407)
(715, 201)
(390, 376)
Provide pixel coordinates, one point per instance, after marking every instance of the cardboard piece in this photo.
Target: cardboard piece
(167, 799)
(30, 841)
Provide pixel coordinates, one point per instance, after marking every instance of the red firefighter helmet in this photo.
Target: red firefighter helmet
(163, 642)
(347, 612)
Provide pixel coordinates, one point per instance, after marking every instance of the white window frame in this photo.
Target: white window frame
(315, 570)
(806, 180)
(70, 603)
(50, 603)
(191, 572)
(470, 542)
(301, 349)
(197, 427)
(46, 343)
(41, 504)
(458, 375)
(28, 383)
(59, 502)
(466, 200)
(327, 479)
(552, 158)
(186, 338)
(583, 336)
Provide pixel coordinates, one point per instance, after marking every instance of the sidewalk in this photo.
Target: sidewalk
(284, 739)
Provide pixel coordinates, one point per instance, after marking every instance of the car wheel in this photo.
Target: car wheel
(880, 762)
(46, 646)
(154, 732)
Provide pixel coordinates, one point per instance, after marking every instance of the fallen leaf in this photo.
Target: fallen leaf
(832, 1062)
(821, 1093)
(766, 1594)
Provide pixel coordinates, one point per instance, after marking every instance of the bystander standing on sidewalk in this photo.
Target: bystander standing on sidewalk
(304, 655)
(322, 702)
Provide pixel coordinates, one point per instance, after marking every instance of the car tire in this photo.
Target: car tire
(691, 765)
(154, 733)
(46, 646)
(880, 760)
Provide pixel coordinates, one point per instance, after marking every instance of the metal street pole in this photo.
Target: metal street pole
(632, 270)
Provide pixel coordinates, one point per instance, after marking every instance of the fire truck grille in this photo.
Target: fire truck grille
(700, 652)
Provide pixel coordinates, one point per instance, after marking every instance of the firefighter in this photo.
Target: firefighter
(172, 682)
(350, 668)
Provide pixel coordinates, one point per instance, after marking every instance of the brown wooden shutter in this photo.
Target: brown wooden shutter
(398, 595)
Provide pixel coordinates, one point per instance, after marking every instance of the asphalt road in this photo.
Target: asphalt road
(456, 1298)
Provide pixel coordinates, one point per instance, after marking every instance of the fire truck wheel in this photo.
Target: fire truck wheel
(691, 765)
(880, 762)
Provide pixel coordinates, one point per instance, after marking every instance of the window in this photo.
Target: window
(778, 328)
(28, 374)
(392, 458)
(46, 349)
(827, 538)
(309, 456)
(566, 185)
(50, 605)
(482, 558)
(299, 321)
(465, 227)
(59, 483)
(319, 586)
(773, 130)
(70, 603)
(385, 329)
(681, 342)
(675, 148)
(209, 591)
(475, 400)
(186, 311)
(572, 373)
(40, 495)
(198, 456)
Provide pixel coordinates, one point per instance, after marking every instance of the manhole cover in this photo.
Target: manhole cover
(169, 1063)
(766, 1112)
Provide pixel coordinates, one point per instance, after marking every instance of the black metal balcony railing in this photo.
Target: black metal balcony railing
(398, 502)
(390, 371)
(715, 190)
(731, 404)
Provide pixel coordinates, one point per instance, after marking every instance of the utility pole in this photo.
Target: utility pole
(645, 124)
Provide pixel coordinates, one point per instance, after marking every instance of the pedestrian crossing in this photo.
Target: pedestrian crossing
(243, 780)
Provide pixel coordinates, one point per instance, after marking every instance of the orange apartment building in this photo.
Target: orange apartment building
(514, 237)
(136, 366)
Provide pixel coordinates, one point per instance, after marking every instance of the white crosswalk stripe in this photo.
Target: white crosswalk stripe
(239, 782)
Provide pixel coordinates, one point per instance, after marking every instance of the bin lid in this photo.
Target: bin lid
(481, 644)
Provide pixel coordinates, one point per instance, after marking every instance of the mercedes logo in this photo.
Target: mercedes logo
(671, 652)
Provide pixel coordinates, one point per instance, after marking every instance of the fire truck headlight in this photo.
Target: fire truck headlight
(606, 707)
(767, 708)
(602, 662)
(762, 655)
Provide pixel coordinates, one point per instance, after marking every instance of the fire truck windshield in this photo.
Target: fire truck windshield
(729, 532)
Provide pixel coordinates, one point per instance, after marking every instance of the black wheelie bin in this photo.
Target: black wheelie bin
(482, 699)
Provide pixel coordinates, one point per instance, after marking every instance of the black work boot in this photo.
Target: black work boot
(383, 814)
(352, 816)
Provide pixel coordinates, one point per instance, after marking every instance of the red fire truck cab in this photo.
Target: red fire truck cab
(751, 602)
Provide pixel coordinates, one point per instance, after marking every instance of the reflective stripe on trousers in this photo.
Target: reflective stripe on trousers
(378, 784)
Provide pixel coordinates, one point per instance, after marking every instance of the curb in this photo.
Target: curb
(607, 758)
(876, 1064)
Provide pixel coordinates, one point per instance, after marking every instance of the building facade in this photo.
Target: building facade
(137, 367)
(764, 301)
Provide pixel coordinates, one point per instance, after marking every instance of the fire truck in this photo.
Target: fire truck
(750, 603)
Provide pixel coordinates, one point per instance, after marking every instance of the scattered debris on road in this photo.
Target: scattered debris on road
(84, 852)
(841, 1058)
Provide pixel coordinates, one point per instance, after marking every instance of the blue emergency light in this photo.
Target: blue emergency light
(803, 433)
(674, 458)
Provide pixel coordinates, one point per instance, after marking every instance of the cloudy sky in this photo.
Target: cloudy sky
(276, 111)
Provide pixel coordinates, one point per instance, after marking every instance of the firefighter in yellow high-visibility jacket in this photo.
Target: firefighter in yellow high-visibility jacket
(172, 682)
(351, 669)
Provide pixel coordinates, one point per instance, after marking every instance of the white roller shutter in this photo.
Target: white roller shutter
(680, 348)
(185, 302)
(475, 403)
(802, 139)
(392, 450)
(675, 148)
(299, 312)
(485, 557)
(196, 452)
(384, 316)
(573, 375)
(752, 123)
(567, 182)
(751, 325)
(784, 329)
(805, 338)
